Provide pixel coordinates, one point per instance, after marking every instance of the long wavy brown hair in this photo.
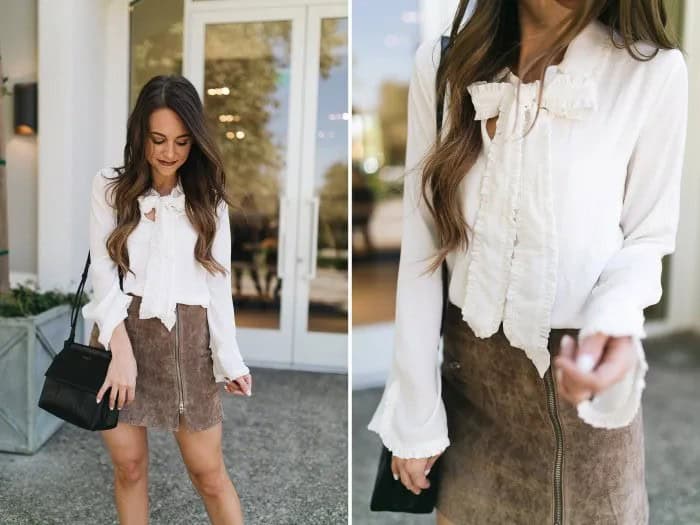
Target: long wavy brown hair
(202, 175)
(480, 49)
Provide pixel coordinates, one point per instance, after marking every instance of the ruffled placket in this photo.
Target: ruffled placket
(512, 259)
(158, 293)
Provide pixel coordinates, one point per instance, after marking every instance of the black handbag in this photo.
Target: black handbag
(75, 376)
(389, 494)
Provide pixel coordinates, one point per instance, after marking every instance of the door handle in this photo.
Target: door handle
(282, 236)
(315, 203)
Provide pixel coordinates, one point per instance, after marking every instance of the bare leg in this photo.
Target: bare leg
(128, 449)
(441, 519)
(201, 452)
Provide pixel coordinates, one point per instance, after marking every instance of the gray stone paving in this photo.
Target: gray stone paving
(285, 450)
(672, 439)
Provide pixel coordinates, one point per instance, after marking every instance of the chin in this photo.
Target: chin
(157, 166)
(569, 4)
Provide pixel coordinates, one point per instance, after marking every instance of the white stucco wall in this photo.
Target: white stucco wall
(78, 133)
(18, 45)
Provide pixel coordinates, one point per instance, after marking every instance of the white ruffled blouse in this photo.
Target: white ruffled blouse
(161, 255)
(569, 223)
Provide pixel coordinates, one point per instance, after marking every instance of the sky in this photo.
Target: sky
(385, 38)
(332, 133)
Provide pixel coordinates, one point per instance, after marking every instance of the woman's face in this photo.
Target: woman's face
(168, 142)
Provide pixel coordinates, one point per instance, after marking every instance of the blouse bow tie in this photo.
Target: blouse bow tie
(565, 95)
(173, 203)
(158, 294)
(512, 260)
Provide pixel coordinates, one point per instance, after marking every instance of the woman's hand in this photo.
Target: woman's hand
(599, 362)
(121, 374)
(412, 472)
(241, 386)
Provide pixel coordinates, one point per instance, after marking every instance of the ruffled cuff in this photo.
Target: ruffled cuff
(228, 364)
(429, 440)
(614, 318)
(108, 313)
(618, 404)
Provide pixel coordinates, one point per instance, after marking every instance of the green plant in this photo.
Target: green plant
(24, 301)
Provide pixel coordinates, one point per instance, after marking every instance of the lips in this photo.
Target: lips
(164, 163)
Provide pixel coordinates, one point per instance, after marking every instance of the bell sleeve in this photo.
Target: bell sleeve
(631, 279)
(226, 355)
(108, 305)
(410, 418)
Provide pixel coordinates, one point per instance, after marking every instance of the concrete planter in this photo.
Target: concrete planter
(27, 347)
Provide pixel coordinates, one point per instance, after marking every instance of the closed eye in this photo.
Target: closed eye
(178, 143)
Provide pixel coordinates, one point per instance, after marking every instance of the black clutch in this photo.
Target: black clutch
(391, 495)
(75, 376)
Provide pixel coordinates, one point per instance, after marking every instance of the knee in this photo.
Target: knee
(211, 483)
(131, 471)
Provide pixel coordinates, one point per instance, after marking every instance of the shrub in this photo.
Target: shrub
(24, 301)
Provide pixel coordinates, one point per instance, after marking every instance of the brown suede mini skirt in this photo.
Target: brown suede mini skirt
(519, 453)
(175, 377)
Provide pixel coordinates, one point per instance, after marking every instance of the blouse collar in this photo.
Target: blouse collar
(173, 201)
(570, 87)
(583, 54)
(175, 192)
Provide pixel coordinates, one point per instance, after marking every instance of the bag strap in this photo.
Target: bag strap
(444, 46)
(79, 297)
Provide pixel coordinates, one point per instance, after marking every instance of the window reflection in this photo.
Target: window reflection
(384, 41)
(328, 294)
(156, 42)
(246, 101)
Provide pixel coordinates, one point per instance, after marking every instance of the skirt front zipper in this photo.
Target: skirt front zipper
(177, 359)
(553, 408)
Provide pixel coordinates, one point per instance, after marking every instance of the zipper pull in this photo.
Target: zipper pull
(182, 408)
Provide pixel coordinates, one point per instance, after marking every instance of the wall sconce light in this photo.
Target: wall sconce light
(25, 96)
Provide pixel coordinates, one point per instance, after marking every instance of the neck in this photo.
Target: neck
(163, 184)
(540, 24)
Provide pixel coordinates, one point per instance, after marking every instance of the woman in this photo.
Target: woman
(161, 221)
(553, 208)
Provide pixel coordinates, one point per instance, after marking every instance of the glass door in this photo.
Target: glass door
(322, 293)
(265, 74)
(247, 64)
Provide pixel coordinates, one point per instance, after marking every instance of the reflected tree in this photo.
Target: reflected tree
(334, 42)
(156, 42)
(393, 97)
(333, 215)
(333, 191)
